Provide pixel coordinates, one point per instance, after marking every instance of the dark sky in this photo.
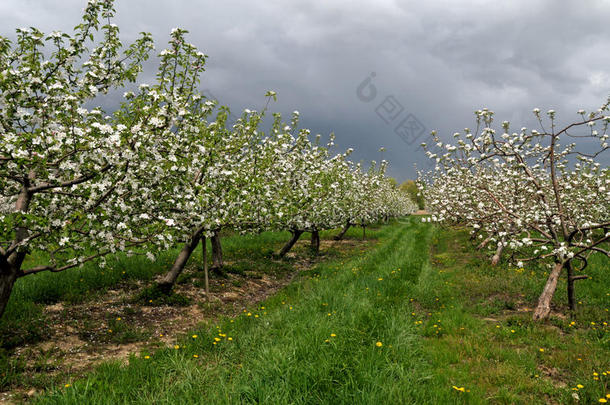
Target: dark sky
(434, 62)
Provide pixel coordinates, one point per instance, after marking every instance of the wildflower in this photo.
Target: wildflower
(147, 357)
(176, 347)
(119, 318)
(194, 336)
(229, 338)
(461, 389)
(579, 386)
(380, 279)
(378, 344)
(249, 314)
(196, 356)
(332, 335)
(541, 349)
(67, 385)
(603, 400)
(217, 339)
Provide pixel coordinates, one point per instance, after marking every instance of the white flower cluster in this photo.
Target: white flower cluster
(77, 183)
(531, 191)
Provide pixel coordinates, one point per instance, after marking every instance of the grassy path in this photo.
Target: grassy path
(417, 319)
(316, 342)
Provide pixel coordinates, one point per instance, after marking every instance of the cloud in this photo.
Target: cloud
(440, 60)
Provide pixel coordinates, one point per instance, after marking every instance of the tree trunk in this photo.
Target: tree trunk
(496, 257)
(204, 260)
(363, 232)
(544, 302)
(343, 232)
(570, 283)
(167, 282)
(296, 234)
(315, 242)
(484, 243)
(7, 281)
(217, 262)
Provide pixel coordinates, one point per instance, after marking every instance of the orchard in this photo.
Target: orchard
(166, 168)
(169, 249)
(531, 194)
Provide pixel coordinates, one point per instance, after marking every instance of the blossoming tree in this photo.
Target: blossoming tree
(531, 191)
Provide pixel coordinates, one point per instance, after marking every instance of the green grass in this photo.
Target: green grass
(24, 321)
(443, 316)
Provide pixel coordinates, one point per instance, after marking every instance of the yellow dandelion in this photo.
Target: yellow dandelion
(119, 318)
(579, 386)
(176, 347)
(196, 356)
(194, 336)
(541, 349)
(147, 357)
(229, 338)
(67, 385)
(249, 314)
(217, 339)
(460, 389)
(603, 400)
(332, 335)
(378, 344)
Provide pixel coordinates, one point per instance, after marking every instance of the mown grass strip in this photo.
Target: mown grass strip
(342, 334)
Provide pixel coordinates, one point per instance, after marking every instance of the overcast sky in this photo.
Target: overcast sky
(430, 63)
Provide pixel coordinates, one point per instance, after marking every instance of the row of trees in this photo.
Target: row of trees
(530, 194)
(166, 168)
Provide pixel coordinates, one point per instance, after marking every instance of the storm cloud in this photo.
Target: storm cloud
(433, 62)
